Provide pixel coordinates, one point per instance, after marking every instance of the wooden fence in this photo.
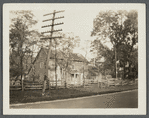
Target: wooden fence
(17, 85)
(116, 82)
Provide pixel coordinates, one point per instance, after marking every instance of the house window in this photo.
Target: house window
(72, 67)
(41, 64)
(76, 75)
(72, 76)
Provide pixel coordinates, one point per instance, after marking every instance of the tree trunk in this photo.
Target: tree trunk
(26, 64)
(56, 77)
(44, 87)
(65, 79)
(115, 62)
(21, 64)
(55, 65)
(83, 76)
(22, 84)
(49, 85)
(56, 80)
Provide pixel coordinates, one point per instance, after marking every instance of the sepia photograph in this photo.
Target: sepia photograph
(74, 58)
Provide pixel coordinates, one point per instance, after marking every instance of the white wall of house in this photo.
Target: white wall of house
(74, 79)
(51, 74)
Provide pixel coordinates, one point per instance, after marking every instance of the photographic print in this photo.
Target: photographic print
(81, 58)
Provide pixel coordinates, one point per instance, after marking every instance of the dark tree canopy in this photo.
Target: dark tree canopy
(121, 28)
(21, 37)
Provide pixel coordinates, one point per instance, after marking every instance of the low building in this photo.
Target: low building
(68, 70)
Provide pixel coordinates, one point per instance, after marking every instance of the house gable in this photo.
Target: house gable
(37, 70)
(38, 67)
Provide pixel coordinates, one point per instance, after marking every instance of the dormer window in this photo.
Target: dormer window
(41, 64)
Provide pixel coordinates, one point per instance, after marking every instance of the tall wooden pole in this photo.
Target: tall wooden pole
(55, 65)
(49, 47)
(48, 57)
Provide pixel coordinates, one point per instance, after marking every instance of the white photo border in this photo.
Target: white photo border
(141, 110)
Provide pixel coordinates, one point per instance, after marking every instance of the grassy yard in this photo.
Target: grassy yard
(35, 95)
(94, 89)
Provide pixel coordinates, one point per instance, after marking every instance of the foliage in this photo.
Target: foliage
(121, 28)
(20, 36)
(66, 44)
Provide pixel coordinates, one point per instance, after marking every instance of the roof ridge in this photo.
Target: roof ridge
(61, 54)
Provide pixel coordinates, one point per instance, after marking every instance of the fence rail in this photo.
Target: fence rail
(38, 85)
(17, 85)
(61, 84)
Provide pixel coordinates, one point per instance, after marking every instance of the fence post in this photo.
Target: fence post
(44, 87)
(22, 83)
(65, 84)
(66, 76)
(101, 84)
(121, 82)
(114, 82)
(108, 82)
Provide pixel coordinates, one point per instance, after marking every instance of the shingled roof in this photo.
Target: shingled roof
(59, 54)
(72, 56)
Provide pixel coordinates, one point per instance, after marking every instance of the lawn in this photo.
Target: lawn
(94, 88)
(35, 95)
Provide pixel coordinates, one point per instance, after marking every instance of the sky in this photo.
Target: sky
(78, 18)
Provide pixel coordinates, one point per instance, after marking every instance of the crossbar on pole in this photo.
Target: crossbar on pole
(53, 19)
(53, 13)
(51, 38)
(52, 25)
(51, 31)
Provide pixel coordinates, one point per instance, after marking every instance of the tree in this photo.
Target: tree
(64, 45)
(67, 44)
(121, 28)
(103, 53)
(20, 35)
(85, 49)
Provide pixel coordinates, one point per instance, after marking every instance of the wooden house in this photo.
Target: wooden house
(70, 75)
